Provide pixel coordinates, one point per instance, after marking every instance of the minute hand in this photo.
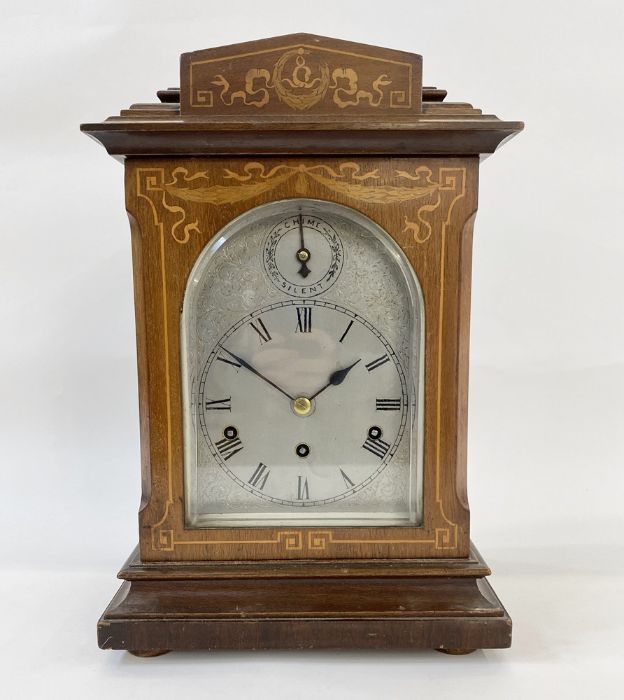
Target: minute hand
(246, 365)
(336, 378)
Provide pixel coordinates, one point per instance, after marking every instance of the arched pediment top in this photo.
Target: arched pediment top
(300, 74)
(301, 94)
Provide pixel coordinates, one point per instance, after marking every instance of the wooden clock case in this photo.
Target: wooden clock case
(302, 116)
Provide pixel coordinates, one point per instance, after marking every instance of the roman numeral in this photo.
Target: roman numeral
(219, 405)
(377, 446)
(377, 363)
(388, 404)
(228, 447)
(303, 492)
(347, 329)
(229, 362)
(261, 330)
(304, 319)
(260, 476)
(348, 483)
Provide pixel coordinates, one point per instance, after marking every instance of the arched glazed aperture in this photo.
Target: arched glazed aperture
(302, 361)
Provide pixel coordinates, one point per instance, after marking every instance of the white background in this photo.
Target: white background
(546, 448)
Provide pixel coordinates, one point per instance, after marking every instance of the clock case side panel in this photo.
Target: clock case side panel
(145, 234)
(156, 269)
(453, 366)
(427, 206)
(141, 352)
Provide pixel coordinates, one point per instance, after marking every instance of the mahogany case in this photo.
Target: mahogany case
(358, 129)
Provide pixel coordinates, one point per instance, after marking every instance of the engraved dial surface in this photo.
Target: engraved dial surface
(335, 391)
(302, 362)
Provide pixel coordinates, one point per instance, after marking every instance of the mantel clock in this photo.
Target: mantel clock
(301, 212)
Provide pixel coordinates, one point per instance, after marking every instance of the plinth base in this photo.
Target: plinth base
(427, 604)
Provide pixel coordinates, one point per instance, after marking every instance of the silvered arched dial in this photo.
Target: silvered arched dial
(302, 347)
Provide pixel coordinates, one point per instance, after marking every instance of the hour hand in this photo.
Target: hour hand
(246, 365)
(336, 378)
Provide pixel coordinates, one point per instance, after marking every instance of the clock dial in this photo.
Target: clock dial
(303, 255)
(302, 373)
(303, 403)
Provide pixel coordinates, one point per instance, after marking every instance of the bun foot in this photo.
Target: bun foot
(147, 653)
(456, 652)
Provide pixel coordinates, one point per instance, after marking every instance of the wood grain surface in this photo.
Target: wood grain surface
(320, 112)
(427, 205)
(356, 613)
(300, 74)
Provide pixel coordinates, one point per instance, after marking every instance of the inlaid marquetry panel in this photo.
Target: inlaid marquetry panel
(300, 74)
(176, 207)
